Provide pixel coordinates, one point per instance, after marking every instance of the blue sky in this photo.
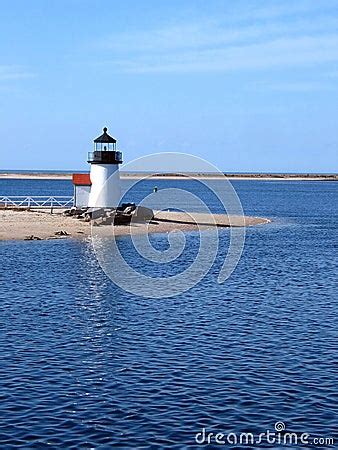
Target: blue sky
(248, 85)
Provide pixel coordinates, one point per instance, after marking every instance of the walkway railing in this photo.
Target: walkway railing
(37, 201)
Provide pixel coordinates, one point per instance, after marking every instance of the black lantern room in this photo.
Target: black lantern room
(105, 150)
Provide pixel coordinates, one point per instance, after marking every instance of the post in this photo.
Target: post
(51, 206)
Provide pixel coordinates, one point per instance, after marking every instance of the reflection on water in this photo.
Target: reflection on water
(87, 365)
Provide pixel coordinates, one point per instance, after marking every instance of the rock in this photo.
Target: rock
(129, 210)
(124, 206)
(61, 233)
(74, 211)
(143, 214)
(122, 219)
(32, 238)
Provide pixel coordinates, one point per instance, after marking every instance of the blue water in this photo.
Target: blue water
(35, 187)
(86, 365)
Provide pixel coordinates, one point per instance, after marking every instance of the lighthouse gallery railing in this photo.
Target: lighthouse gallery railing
(37, 201)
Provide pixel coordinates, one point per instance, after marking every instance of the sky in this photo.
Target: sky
(248, 85)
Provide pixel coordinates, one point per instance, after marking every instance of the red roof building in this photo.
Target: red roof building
(82, 184)
(81, 179)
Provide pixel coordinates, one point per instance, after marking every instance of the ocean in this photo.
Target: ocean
(85, 364)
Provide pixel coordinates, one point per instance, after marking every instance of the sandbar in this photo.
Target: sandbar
(21, 224)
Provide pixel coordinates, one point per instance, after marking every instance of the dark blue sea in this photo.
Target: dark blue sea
(86, 365)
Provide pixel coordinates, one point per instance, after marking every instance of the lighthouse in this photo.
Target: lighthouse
(104, 172)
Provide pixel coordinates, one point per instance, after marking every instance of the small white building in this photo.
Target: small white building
(82, 185)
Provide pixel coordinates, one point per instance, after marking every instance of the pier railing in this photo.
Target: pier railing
(37, 201)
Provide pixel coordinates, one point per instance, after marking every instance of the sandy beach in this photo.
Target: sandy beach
(23, 224)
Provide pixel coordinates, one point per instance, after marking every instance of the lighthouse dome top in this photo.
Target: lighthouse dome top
(105, 151)
(105, 138)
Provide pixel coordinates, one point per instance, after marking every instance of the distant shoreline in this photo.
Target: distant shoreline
(175, 176)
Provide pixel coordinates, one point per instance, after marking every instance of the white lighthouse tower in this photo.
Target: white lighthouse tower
(104, 172)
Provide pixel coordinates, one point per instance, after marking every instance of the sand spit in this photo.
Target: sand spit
(173, 176)
(207, 220)
(35, 225)
(35, 176)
